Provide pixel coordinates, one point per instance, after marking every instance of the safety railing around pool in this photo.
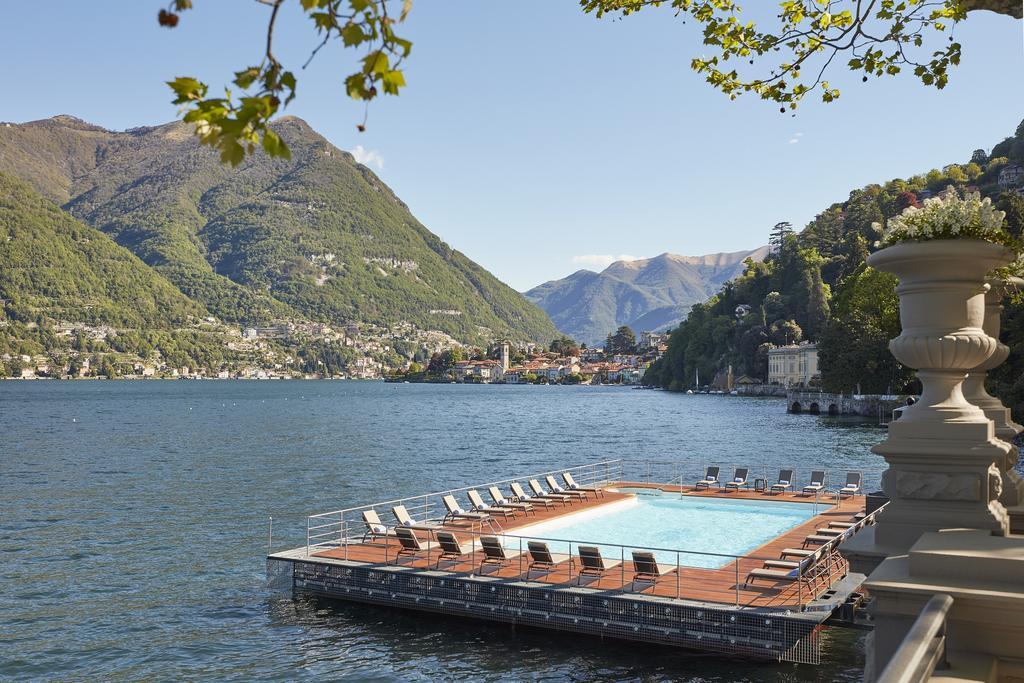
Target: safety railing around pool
(324, 529)
(744, 581)
(328, 529)
(669, 473)
(722, 578)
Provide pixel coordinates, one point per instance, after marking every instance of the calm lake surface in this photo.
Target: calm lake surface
(134, 520)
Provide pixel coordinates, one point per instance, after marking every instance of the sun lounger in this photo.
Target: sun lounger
(817, 482)
(710, 479)
(539, 492)
(571, 483)
(501, 501)
(842, 525)
(852, 486)
(374, 527)
(556, 488)
(796, 552)
(592, 564)
(409, 544)
(523, 497)
(738, 479)
(480, 506)
(785, 482)
(804, 571)
(405, 520)
(647, 569)
(541, 556)
(450, 547)
(455, 512)
(821, 536)
(494, 552)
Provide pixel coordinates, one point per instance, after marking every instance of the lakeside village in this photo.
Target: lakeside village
(402, 352)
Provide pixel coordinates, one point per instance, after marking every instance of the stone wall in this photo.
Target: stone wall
(865, 405)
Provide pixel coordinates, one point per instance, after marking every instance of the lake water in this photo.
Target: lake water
(134, 520)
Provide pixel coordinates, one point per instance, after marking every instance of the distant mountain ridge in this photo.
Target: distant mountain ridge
(646, 294)
(318, 237)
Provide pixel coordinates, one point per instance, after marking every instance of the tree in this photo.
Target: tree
(854, 348)
(778, 236)
(979, 157)
(564, 346)
(789, 59)
(784, 332)
(623, 340)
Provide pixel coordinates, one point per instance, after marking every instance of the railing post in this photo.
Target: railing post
(736, 564)
(678, 570)
(270, 536)
(520, 557)
(307, 536)
(622, 569)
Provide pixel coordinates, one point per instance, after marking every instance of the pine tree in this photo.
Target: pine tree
(777, 239)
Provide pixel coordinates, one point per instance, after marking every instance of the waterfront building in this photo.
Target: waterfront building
(793, 364)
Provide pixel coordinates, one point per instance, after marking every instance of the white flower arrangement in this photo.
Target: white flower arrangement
(945, 217)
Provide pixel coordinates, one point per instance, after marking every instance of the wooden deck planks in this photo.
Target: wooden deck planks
(691, 583)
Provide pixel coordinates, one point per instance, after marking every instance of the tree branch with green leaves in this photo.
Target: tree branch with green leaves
(782, 64)
(239, 122)
(789, 61)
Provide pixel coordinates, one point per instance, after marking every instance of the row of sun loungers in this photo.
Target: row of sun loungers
(481, 512)
(812, 566)
(539, 556)
(782, 485)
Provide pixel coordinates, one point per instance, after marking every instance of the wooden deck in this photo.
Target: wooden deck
(690, 583)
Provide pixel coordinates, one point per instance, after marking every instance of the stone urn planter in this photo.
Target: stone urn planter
(975, 391)
(943, 451)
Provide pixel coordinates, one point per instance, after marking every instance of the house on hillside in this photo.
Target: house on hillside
(1011, 175)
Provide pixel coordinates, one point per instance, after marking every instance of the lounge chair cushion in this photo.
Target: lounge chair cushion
(784, 482)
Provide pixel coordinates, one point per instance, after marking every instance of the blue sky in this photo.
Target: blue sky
(534, 138)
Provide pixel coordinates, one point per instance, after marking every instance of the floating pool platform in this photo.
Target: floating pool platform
(701, 601)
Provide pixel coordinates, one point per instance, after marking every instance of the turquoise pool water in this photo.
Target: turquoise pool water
(670, 522)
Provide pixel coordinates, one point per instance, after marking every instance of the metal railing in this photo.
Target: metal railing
(331, 529)
(923, 650)
(346, 528)
(670, 473)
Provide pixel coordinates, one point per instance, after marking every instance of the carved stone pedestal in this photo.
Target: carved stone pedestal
(974, 390)
(942, 452)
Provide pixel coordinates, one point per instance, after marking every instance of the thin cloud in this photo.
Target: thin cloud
(368, 157)
(602, 260)
(796, 138)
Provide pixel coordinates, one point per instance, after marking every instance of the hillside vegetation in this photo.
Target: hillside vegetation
(818, 287)
(318, 237)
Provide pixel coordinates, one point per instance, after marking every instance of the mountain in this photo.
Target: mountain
(318, 237)
(647, 294)
(51, 262)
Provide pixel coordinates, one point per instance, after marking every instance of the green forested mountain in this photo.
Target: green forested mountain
(318, 237)
(817, 286)
(51, 262)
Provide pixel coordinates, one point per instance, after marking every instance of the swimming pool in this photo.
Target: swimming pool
(670, 522)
